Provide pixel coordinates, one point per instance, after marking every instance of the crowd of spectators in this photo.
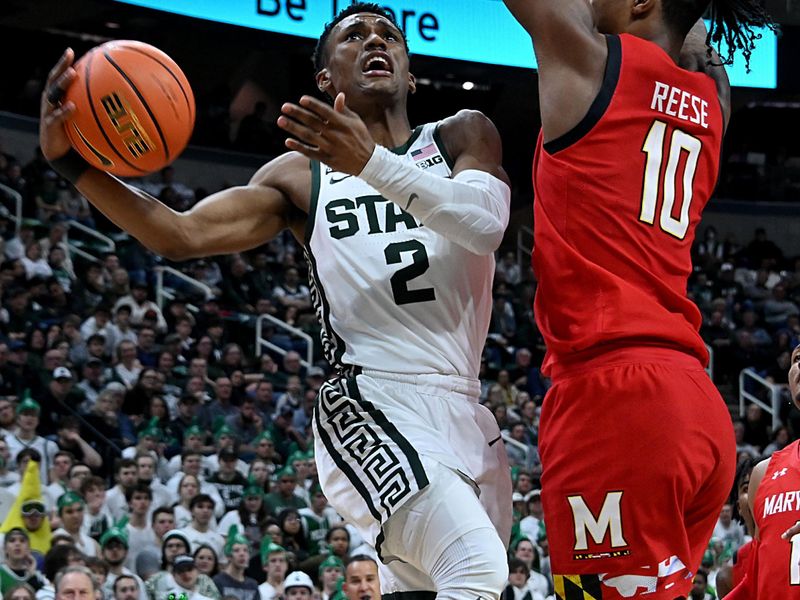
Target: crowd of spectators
(161, 433)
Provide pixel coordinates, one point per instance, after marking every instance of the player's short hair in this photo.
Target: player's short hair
(319, 57)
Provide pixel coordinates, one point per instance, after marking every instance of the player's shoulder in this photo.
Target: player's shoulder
(468, 122)
(472, 132)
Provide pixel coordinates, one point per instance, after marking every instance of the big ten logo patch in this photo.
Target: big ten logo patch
(427, 157)
(126, 124)
(604, 526)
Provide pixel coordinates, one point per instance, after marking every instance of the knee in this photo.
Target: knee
(474, 566)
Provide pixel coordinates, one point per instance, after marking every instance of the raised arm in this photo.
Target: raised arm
(571, 57)
(233, 220)
(470, 209)
(696, 55)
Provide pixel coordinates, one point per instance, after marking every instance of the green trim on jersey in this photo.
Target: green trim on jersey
(404, 148)
(437, 138)
(314, 200)
(334, 356)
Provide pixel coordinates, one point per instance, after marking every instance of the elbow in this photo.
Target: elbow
(489, 240)
(175, 247)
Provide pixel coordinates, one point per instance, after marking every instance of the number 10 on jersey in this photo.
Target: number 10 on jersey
(655, 170)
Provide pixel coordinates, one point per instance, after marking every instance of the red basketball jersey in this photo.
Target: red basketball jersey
(777, 507)
(617, 201)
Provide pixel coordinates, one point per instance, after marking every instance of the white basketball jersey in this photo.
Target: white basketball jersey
(391, 294)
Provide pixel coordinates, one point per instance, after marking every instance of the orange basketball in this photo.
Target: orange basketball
(134, 108)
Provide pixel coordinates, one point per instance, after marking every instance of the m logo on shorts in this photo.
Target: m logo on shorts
(608, 521)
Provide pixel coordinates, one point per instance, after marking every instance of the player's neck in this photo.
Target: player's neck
(389, 128)
(657, 33)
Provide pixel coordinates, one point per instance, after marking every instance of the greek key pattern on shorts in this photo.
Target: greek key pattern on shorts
(364, 443)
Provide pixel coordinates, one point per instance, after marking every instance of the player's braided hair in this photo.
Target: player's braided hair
(318, 57)
(733, 22)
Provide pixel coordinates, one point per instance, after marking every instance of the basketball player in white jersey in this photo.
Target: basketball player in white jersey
(399, 227)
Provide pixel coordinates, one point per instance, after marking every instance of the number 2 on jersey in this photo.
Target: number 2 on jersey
(394, 255)
(653, 147)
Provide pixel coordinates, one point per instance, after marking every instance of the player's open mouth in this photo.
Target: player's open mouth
(377, 64)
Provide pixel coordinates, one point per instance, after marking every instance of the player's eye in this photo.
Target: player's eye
(354, 35)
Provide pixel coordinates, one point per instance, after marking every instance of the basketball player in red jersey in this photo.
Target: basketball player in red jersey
(774, 498)
(637, 446)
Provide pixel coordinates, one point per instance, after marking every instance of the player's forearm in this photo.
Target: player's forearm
(150, 221)
(471, 210)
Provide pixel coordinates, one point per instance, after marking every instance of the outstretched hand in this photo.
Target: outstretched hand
(333, 135)
(52, 112)
(791, 532)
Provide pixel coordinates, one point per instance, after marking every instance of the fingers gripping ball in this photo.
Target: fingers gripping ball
(134, 109)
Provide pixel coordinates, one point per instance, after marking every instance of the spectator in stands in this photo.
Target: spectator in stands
(26, 436)
(70, 510)
(176, 544)
(199, 530)
(239, 292)
(138, 530)
(128, 367)
(298, 586)
(275, 565)
(779, 308)
(762, 252)
(291, 292)
(232, 581)
(59, 474)
(138, 397)
(125, 477)
(93, 382)
(361, 580)
(114, 549)
(140, 306)
(125, 588)
(19, 567)
(192, 464)
(229, 482)
(68, 438)
(780, 439)
(48, 207)
(218, 411)
(97, 518)
(105, 422)
(246, 425)
(147, 467)
(728, 531)
(98, 324)
(518, 583)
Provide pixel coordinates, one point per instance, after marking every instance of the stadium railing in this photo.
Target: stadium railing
(16, 197)
(750, 383)
(262, 342)
(166, 293)
(103, 243)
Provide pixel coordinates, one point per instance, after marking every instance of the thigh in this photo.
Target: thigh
(367, 468)
(637, 460)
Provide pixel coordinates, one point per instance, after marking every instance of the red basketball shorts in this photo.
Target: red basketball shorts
(638, 456)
